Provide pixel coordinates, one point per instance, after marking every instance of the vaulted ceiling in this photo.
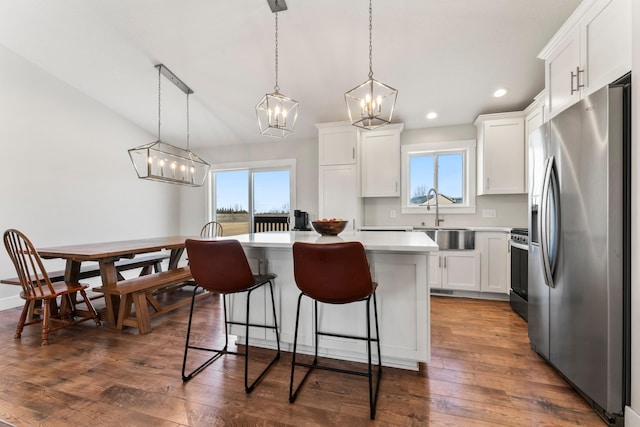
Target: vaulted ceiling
(442, 55)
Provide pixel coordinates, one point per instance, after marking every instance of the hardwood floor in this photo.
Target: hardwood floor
(482, 373)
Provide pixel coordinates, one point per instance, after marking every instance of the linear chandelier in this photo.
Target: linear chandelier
(161, 161)
(371, 104)
(277, 113)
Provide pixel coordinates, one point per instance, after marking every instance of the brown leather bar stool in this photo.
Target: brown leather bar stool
(221, 266)
(335, 273)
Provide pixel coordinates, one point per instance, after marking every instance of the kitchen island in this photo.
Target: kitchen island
(398, 262)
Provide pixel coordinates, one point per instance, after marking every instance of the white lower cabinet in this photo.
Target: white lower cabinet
(455, 270)
(495, 266)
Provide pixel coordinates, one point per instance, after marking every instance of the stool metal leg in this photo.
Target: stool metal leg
(373, 395)
(373, 398)
(294, 394)
(224, 350)
(249, 388)
(217, 354)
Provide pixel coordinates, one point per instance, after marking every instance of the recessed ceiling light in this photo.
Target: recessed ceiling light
(432, 115)
(500, 92)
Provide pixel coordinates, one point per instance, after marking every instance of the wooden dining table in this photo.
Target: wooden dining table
(107, 254)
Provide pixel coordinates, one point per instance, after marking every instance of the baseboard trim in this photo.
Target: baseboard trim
(631, 417)
(11, 302)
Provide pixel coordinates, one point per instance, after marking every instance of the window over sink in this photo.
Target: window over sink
(449, 167)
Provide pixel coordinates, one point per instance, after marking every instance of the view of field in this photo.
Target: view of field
(238, 223)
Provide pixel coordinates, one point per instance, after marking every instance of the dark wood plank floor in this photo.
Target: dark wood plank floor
(482, 373)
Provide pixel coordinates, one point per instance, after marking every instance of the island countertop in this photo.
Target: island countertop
(398, 262)
(380, 241)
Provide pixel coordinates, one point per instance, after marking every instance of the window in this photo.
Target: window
(254, 196)
(448, 167)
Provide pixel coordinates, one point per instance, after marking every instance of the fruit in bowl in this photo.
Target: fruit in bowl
(329, 227)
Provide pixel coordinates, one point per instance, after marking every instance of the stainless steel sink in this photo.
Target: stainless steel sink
(450, 239)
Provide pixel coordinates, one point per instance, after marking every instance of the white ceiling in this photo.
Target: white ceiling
(442, 55)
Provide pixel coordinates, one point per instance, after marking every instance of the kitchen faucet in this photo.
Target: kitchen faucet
(435, 196)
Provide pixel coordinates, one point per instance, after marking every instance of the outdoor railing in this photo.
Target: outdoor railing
(270, 223)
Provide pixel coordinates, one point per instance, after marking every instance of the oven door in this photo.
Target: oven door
(519, 294)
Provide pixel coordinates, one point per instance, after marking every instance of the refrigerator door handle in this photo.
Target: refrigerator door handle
(548, 222)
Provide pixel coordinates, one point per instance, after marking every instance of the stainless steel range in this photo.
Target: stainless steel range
(519, 294)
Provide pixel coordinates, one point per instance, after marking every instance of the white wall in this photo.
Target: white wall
(511, 210)
(66, 176)
(193, 209)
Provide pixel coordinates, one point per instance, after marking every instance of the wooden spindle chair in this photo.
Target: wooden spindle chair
(37, 288)
(211, 229)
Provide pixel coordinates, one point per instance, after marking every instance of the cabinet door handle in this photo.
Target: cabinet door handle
(396, 186)
(577, 77)
(439, 262)
(445, 262)
(353, 153)
(578, 84)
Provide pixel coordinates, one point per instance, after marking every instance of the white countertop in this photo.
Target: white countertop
(382, 241)
(386, 228)
(421, 228)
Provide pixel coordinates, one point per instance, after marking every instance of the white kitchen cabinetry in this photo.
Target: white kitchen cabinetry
(592, 49)
(454, 270)
(337, 144)
(339, 182)
(381, 161)
(501, 153)
(535, 117)
(495, 266)
(338, 191)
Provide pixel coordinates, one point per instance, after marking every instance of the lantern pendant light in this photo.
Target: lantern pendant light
(371, 104)
(277, 113)
(161, 161)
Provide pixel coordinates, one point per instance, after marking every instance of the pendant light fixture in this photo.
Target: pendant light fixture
(371, 104)
(160, 161)
(277, 113)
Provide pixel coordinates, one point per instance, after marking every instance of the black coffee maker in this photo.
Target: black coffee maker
(301, 220)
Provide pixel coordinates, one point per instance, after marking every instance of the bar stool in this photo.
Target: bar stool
(221, 266)
(335, 273)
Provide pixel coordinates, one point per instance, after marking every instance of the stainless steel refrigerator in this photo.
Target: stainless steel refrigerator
(579, 247)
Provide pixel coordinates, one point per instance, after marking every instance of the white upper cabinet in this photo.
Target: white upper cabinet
(592, 49)
(338, 173)
(337, 143)
(381, 161)
(501, 153)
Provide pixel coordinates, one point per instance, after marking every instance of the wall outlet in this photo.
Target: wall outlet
(392, 213)
(488, 213)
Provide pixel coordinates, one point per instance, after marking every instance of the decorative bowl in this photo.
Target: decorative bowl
(330, 227)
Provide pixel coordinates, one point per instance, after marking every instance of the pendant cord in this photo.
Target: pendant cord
(159, 80)
(276, 88)
(188, 122)
(370, 44)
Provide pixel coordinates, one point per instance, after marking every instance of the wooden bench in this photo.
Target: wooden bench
(147, 263)
(139, 291)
